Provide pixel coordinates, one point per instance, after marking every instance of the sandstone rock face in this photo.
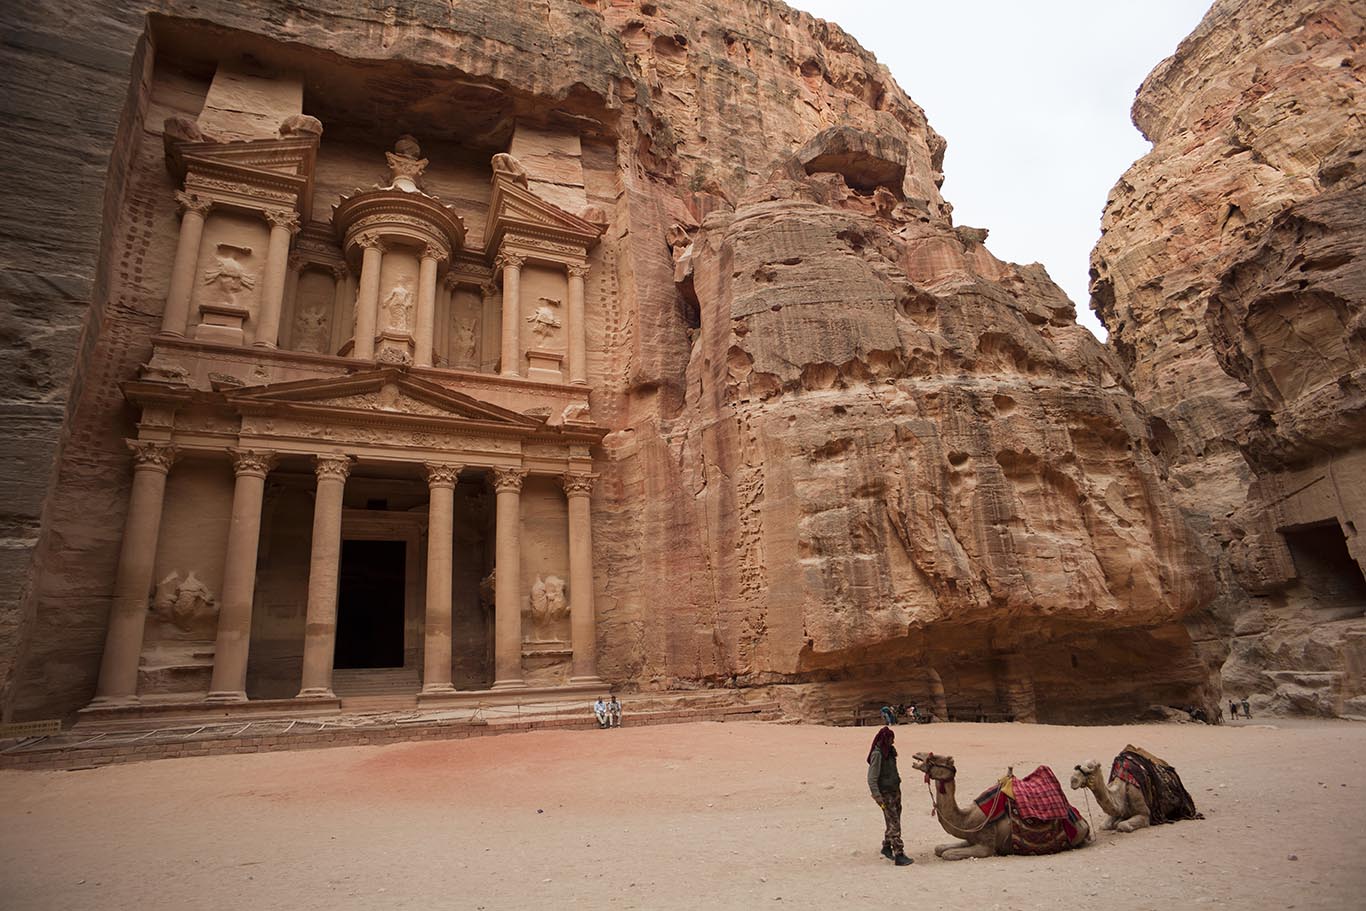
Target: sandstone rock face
(850, 452)
(1230, 277)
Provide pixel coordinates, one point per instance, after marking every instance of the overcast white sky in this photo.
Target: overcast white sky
(1033, 97)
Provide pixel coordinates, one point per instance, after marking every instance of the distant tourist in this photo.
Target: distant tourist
(600, 709)
(1233, 708)
(888, 715)
(885, 785)
(1247, 709)
(614, 712)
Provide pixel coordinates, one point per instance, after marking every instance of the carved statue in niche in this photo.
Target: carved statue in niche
(544, 321)
(463, 351)
(398, 307)
(311, 330)
(227, 276)
(406, 164)
(186, 604)
(548, 605)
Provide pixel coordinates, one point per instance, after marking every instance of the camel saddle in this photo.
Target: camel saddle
(1041, 819)
(1167, 798)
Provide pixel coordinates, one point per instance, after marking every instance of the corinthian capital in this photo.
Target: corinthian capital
(151, 456)
(577, 270)
(283, 218)
(257, 462)
(508, 479)
(441, 474)
(333, 466)
(192, 202)
(577, 485)
(506, 259)
(370, 242)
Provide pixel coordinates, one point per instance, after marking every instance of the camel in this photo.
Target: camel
(1123, 804)
(1142, 791)
(979, 838)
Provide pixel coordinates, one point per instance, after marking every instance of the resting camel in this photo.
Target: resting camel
(1123, 804)
(979, 838)
(1142, 791)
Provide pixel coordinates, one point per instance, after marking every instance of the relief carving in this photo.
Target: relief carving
(398, 308)
(547, 605)
(228, 276)
(311, 330)
(544, 321)
(186, 604)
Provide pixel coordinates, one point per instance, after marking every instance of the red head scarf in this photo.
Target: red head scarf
(882, 743)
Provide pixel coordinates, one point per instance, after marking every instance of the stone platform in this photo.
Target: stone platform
(90, 745)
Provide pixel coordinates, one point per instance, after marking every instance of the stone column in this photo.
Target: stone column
(1017, 690)
(507, 580)
(582, 623)
(436, 647)
(175, 319)
(118, 682)
(512, 314)
(426, 306)
(289, 335)
(367, 298)
(284, 224)
(578, 356)
(320, 627)
(488, 340)
(239, 576)
(341, 312)
(941, 702)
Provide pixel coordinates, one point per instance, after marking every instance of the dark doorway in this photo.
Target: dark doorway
(1325, 566)
(370, 605)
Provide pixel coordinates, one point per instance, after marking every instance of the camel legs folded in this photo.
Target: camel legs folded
(940, 849)
(952, 853)
(1133, 822)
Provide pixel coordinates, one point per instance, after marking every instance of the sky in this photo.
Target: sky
(1033, 97)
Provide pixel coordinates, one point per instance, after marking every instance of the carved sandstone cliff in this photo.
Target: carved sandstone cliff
(1230, 276)
(847, 443)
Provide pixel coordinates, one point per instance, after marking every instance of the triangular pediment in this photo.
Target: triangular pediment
(515, 207)
(293, 157)
(378, 395)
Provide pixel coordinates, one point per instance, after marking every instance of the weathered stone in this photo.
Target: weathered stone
(1230, 275)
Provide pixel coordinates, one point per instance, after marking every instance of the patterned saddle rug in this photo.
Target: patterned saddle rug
(1159, 784)
(1041, 819)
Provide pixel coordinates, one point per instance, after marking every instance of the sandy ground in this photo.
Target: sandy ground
(745, 815)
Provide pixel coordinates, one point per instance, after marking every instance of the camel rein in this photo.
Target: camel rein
(1086, 793)
(934, 810)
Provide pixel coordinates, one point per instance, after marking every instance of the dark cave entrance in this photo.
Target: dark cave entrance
(370, 599)
(1324, 565)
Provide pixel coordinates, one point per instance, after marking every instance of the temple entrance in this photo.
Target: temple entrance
(370, 601)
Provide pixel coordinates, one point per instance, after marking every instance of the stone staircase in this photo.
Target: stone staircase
(386, 689)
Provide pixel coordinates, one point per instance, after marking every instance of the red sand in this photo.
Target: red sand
(743, 815)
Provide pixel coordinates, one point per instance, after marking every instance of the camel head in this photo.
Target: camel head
(1081, 778)
(940, 768)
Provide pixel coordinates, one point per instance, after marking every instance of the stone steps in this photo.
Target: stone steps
(383, 681)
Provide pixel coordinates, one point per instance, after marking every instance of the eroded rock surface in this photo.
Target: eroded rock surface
(847, 444)
(1230, 278)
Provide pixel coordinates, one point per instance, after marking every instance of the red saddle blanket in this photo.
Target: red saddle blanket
(1042, 821)
(1037, 796)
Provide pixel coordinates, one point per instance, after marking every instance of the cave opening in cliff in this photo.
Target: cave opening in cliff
(1325, 567)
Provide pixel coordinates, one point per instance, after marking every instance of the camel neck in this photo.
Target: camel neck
(946, 805)
(1109, 800)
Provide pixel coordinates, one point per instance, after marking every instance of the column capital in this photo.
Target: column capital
(577, 270)
(370, 242)
(193, 202)
(152, 456)
(506, 259)
(488, 289)
(451, 281)
(334, 465)
(434, 251)
(283, 218)
(508, 479)
(296, 261)
(256, 462)
(442, 474)
(577, 485)
(339, 271)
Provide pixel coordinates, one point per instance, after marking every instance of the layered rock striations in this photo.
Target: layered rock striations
(1230, 278)
(850, 452)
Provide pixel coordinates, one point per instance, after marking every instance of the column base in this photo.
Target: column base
(264, 345)
(515, 683)
(436, 689)
(592, 680)
(226, 696)
(316, 692)
(114, 702)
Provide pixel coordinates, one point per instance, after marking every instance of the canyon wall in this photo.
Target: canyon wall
(1232, 278)
(849, 450)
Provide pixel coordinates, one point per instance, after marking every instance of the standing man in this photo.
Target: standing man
(1233, 708)
(614, 712)
(885, 785)
(1247, 708)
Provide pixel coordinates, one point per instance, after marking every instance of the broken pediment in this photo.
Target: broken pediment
(516, 210)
